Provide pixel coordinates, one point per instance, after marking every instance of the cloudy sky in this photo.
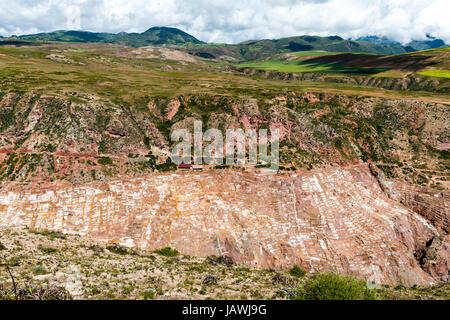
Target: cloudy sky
(232, 21)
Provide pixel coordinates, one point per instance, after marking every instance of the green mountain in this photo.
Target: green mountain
(415, 45)
(153, 36)
(261, 49)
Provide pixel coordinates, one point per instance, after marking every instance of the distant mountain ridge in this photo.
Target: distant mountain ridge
(244, 51)
(414, 45)
(261, 49)
(153, 36)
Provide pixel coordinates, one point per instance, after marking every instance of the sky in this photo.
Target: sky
(233, 21)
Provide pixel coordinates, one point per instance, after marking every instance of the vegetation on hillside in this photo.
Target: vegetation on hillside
(114, 103)
(261, 49)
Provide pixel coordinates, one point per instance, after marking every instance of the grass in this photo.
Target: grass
(313, 53)
(123, 79)
(436, 73)
(305, 66)
(391, 74)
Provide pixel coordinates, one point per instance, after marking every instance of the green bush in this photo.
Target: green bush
(329, 286)
(117, 249)
(167, 252)
(166, 166)
(221, 166)
(297, 271)
(47, 249)
(149, 294)
(106, 161)
(51, 234)
(39, 270)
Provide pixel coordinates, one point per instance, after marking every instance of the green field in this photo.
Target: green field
(314, 53)
(436, 73)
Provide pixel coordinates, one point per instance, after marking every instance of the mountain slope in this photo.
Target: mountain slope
(261, 49)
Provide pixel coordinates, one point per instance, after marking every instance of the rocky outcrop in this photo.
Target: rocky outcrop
(434, 257)
(335, 219)
(433, 205)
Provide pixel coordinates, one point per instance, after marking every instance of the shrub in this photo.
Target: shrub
(167, 252)
(115, 248)
(149, 294)
(2, 247)
(52, 292)
(256, 294)
(96, 248)
(297, 271)
(51, 234)
(209, 279)
(47, 249)
(215, 260)
(166, 166)
(329, 286)
(221, 166)
(38, 270)
(34, 292)
(14, 261)
(106, 161)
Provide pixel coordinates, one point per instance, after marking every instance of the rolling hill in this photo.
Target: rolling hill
(433, 62)
(261, 49)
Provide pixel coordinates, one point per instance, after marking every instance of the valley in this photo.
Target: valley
(362, 189)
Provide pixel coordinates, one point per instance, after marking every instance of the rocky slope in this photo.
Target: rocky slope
(336, 219)
(84, 138)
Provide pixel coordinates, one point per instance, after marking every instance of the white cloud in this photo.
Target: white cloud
(233, 21)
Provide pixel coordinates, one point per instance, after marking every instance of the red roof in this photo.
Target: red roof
(184, 166)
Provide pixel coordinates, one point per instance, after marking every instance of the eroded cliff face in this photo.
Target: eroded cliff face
(335, 219)
(432, 204)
